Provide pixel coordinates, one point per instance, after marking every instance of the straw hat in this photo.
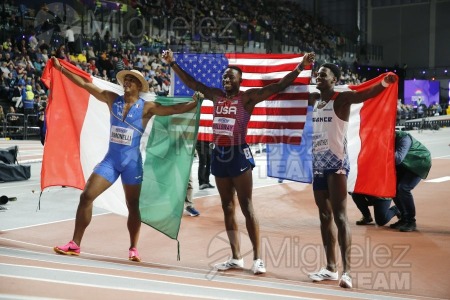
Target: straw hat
(121, 76)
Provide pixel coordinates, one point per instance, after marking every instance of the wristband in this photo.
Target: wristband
(172, 63)
(384, 83)
(299, 68)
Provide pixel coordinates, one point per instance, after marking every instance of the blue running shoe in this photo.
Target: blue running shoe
(192, 211)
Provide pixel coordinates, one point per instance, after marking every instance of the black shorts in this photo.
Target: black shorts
(231, 161)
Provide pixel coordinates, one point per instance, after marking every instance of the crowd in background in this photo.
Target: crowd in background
(23, 55)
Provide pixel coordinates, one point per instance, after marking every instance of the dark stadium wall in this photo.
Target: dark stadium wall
(416, 34)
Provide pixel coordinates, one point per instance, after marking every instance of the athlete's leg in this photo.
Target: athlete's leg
(95, 185)
(132, 193)
(226, 191)
(244, 187)
(326, 227)
(337, 186)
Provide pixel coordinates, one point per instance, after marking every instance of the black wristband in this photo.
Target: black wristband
(172, 63)
(299, 68)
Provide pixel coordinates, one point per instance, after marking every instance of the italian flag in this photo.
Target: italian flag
(77, 138)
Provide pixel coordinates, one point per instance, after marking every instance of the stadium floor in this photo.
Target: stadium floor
(386, 264)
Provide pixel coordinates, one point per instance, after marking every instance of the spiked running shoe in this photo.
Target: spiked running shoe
(323, 274)
(345, 281)
(258, 267)
(133, 255)
(230, 264)
(71, 248)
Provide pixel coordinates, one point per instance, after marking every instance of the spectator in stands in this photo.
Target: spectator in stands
(331, 166)
(28, 100)
(123, 148)
(2, 116)
(13, 118)
(232, 161)
(118, 64)
(32, 41)
(70, 39)
(44, 46)
(90, 53)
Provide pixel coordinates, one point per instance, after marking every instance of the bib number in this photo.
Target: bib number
(223, 126)
(120, 135)
(320, 142)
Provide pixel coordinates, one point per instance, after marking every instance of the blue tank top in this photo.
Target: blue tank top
(126, 133)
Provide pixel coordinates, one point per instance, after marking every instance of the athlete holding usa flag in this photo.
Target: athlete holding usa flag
(232, 161)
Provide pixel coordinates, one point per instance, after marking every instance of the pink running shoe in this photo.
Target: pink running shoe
(70, 248)
(133, 255)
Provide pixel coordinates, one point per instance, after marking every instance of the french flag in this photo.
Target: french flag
(370, 144)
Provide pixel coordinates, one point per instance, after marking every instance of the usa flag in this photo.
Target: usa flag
(280, 119)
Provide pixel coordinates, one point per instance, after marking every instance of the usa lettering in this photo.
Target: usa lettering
(227, 110)
(322, 119)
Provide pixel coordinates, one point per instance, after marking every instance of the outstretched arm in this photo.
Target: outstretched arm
(257, 95)
(193, 84)
(358, 97)
(100, 94)
(155, 108)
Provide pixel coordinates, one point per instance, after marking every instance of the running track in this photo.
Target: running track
(386, 264)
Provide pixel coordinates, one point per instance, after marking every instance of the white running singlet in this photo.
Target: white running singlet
(329, 138)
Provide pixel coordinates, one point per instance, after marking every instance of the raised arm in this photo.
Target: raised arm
(102, 95)
(187, 79)
(257, 95)
(358, 97)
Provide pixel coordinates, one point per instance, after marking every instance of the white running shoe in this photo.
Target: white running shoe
(346, 281)
(258, 267)
(230, 264)
(324, 274)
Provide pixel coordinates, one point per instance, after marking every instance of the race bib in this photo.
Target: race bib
(120, 135)
(320, 142)
(247, 153)
(223, 126)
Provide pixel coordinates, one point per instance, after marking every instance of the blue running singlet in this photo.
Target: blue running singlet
(124, 156)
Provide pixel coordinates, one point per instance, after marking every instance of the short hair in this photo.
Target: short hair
(236, 68)
(334, 69)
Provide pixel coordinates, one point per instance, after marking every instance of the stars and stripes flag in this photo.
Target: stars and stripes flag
(280, 119)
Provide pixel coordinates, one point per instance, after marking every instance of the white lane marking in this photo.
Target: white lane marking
(48, 223)
(151, 286)
(440, 179)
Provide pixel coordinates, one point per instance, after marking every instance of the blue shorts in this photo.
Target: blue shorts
(231, 161)
(110, 169)
(320, 178)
